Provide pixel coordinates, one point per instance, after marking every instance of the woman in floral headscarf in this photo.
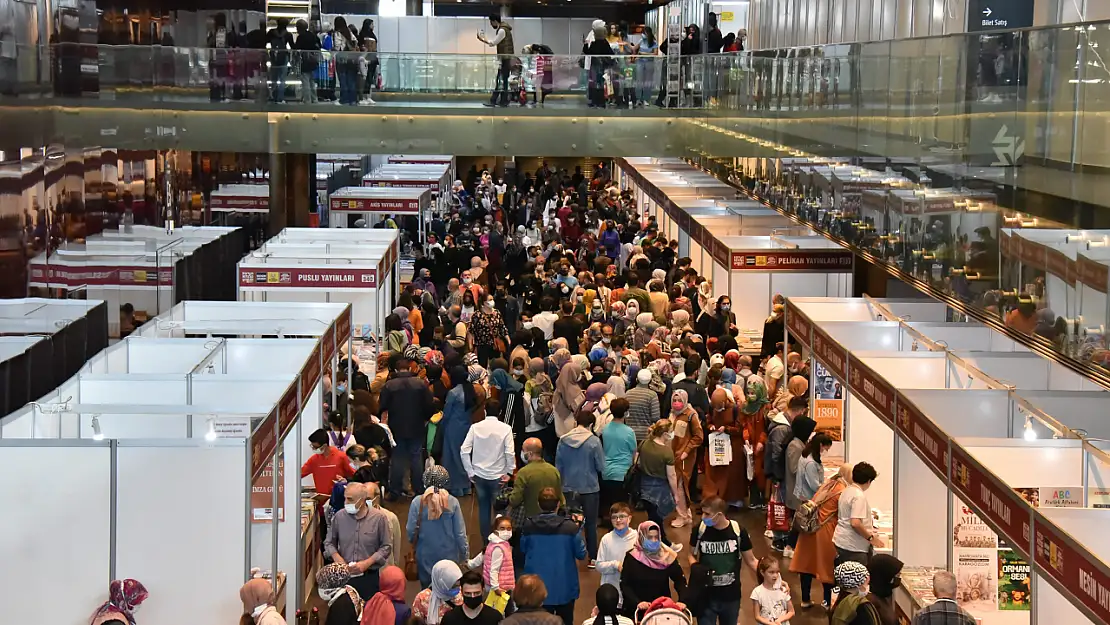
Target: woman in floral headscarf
(680, 324)
(753, 414)
(344, 602)
(617, 312)
(124, 596)
(442, 525)
(687, 438)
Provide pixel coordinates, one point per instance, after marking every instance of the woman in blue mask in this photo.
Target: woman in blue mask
(649, 570)
(431, 604)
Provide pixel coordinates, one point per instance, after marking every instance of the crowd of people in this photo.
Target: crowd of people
(339, 62)
(555, 358)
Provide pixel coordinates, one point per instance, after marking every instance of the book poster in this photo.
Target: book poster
(970, 532)
(977, 578)
(1099, 497)
(828, 402)
(262, 495)
(1013, 581)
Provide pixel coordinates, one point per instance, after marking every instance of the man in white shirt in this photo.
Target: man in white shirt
(489, 460)
(546, 320)
(775, 369)
(855, 537)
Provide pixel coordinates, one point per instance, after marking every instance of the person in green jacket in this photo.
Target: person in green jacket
(536, 475)
(852, 606)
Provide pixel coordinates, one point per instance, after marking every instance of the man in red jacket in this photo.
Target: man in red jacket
(327, 465)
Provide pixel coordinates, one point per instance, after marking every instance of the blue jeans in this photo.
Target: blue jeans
(278, 74)
(486, 491)
(410, 451)
(348, 82)
(589, 503)
(720, 613)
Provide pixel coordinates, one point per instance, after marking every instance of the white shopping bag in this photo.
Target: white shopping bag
(720, 449)
(749, 455)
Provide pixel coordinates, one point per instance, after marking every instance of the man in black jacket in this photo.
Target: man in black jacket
(406, 406)
(308, 47)
(279, 41)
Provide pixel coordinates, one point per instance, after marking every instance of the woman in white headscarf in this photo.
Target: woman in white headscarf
(434, 602)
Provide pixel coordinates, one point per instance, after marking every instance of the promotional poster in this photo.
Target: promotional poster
(1013, 581)
(828, 403)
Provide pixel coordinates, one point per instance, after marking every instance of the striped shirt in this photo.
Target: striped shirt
(643, 410)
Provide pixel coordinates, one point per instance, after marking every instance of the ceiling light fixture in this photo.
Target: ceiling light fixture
(1030, 433)
(98, 435)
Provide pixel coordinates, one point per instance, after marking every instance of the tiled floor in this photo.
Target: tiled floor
(750, 520)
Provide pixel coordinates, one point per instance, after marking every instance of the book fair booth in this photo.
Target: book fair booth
(203, 428)
(349, 204)
(45, 341)
(792, 261)
(149, 268)
(991, 461)
(359, 270)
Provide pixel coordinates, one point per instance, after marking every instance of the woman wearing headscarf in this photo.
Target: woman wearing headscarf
(649, 569)
(645, 328)
(567, 398)
(257, 596)
(124, 597)
(852, 605)
(797, 386)
(411, 314)
(395, 336)
(539, 392)
(441, 534)
(430, 317)
(617, 312)
(441, 596)
(729, 482)
(509, 392)
(462, 400)
(753, 416)
(615, 382)
(815, 553)
(688, 436)
(886, 575)
(559, 358)
(680, 324)
(344, 602)
(387, 606)
(538, 347)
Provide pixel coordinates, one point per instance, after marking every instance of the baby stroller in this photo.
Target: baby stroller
(664, 611)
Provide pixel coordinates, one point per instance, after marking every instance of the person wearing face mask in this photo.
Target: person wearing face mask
(441, 596)
(615, 545)
(852, 606)
(359, 539)
(568, 397)
(687, 439)
(344, 603)
(649, 569)
(327, 465)
(536, 475)
(659, 482)
(496, 562)
(473, 610)
(468, 300)
(724, 547)
(257, 596)
(719, 323)
(491, 336)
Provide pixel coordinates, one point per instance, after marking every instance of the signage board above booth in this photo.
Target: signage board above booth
(792, 260)
(310, 278)
(240, 203)
(376, 205)
(57, 276)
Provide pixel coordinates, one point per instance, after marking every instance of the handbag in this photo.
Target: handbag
(499, 345)
(807, 518)
(633, 482)
(778, 515)
(412, 570)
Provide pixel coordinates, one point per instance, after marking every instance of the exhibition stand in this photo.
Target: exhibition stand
(45, 341)
(981, 471)
(434, 177)
(755, 264)
(1030, 255)
(366, 202)
(147, 268)
(222, 481)
(426, 159)
(241, 198)
(360, 274)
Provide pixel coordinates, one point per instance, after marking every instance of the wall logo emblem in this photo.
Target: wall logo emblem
(1007, 149)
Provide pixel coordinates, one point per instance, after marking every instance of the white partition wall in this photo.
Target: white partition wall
(182, 529)
(57, 534)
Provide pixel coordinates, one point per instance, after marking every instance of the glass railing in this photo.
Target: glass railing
(1040, 278)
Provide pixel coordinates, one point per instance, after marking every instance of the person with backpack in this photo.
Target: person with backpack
(308, 54)
(721, 545)
(779, 434)
(279, 41)
(802, 428)
(815, 552)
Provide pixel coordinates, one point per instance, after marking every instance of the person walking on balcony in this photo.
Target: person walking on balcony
(503, 42)
(308, 51)
(279, 41)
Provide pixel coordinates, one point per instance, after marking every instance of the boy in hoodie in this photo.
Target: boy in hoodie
(779, 435)
(580, 459)
(551, 544)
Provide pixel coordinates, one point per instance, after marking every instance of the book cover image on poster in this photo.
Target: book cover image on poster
(826, 386)
(969, 531)
(977, 579)
(1013, 581)
(828, 403)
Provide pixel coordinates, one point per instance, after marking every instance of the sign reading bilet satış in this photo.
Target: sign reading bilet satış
(999, 14)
